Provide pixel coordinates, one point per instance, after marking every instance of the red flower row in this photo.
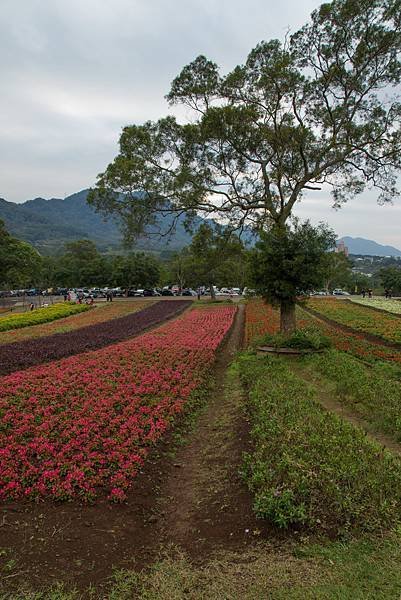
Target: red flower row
(86, 422)
(262, 318)
(25, 354)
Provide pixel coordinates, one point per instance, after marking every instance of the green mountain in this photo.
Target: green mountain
(48, 224)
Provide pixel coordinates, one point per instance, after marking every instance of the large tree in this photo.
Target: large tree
(319, 109)
(20, 263)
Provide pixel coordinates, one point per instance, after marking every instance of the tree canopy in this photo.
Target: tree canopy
(20, 263)
(319, 109)
(288, 264)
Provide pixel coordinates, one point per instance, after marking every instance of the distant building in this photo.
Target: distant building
(341, 247)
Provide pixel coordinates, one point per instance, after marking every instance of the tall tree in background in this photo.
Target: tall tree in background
(82, 264)
(20, 263)
(211, 250)
(136, 270)
(318, 109)
(390, 278)
(338, 271)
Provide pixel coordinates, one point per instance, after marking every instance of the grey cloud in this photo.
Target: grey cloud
(75, 71)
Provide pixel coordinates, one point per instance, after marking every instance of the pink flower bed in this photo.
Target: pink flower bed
(72, 428)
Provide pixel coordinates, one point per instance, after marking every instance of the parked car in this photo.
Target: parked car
(167, 293)
(340, 292)
(188, 292)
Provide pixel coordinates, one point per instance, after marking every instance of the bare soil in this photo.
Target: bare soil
(194, 498)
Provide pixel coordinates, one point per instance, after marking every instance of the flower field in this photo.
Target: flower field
(262, 318)
(358, 317)
(21, 355)
(391, 306)
(41, 315)
(83, 426)
(99, 313)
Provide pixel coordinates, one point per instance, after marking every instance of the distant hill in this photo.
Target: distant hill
(48, 224)
(368, 247)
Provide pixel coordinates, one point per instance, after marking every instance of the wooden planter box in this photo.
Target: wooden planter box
(294, 351)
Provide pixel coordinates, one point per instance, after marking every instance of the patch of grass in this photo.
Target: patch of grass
(309, 468)
(365, 569)
(375, 392)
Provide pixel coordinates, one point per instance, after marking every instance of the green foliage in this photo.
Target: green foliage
(288, 262)
(391, 279)
(216, 256)
(337, 271)
(309, 467)
(20, 263)
(374, 392)
(41, 315)
(82, 265)
(135, 270)
(310, 338)
(295, 115)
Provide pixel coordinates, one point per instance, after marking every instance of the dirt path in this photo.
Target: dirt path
(326, 396)
(204, 504)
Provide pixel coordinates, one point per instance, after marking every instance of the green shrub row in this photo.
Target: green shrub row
(375, 392)
(41, 315)
(308, 467)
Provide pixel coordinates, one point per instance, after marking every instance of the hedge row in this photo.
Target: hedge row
(310, 468)
(42, 315)
(374, 392)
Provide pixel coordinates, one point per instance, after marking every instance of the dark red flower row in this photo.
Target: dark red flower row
(21, 355)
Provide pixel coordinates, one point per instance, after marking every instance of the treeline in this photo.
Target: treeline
(216, 256)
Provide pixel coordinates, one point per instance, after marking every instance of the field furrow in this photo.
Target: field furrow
(99, 313)
(28, 353)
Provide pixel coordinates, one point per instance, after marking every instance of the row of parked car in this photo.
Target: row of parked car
(119, 292)
(335, 292)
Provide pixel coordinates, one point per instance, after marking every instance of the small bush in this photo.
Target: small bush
(308, 466)
(302, 339)
(42, 315)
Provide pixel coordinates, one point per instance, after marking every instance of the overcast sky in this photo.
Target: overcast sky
(74, 72)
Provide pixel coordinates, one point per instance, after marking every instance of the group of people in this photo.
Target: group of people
(388, 293)
(367, 292)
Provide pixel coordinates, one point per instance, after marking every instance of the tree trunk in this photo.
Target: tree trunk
(288, 323)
